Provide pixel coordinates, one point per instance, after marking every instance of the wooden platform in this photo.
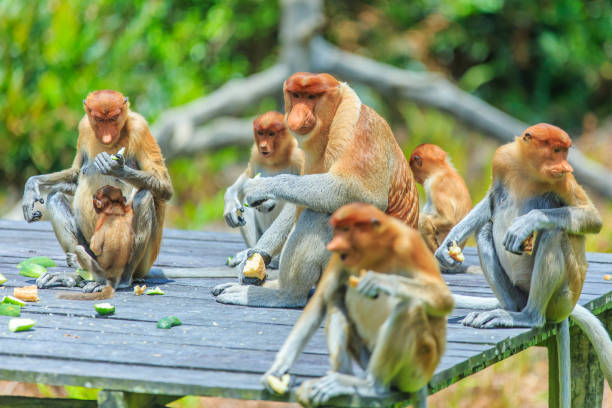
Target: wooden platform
(219, 350)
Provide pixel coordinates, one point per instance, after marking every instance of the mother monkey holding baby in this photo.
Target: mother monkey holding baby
(107, 127)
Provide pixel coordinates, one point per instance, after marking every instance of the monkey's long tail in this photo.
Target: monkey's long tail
(477, 303)
(598, 336)
(106, 293)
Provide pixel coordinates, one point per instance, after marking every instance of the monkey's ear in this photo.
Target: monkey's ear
(527, 137)
(126, 99)
(418, 161)
(375, 222)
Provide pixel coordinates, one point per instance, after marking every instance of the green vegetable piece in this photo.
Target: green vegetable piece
(156, 291)
(104, 308)
(17, 325)
(168, 322)
(2, 279)
(258, 175)
(32, 270)
(86, 275)
(38, 260)
(229, 259)
(10, 310)
(246, 204)
(12, 301)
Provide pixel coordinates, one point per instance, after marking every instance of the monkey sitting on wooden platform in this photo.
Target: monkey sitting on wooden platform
(274, 152)
(391, 321)
(111, 243)
(534, 202)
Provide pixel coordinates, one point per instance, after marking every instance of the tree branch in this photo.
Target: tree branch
(434, 90)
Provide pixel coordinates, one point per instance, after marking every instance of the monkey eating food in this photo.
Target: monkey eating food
(391, 320)
(107, 126)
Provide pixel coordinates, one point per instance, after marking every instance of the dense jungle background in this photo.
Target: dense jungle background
(538, 61)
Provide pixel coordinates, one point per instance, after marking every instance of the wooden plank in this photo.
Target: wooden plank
(7, 401)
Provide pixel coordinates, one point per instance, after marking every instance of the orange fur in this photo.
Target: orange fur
(447, 194)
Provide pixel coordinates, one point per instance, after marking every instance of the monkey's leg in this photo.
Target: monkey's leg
(146, 234)
(68, 235)
(250, 233)
(302, 262)
(548, 282)
(338, 334)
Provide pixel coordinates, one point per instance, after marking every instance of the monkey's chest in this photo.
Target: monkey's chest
(368, 315)
(83, 199)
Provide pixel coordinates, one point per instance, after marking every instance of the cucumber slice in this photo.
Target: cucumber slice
(17, 325)
(156, 291)
(168, 322)
(38, 260)
(32, 270)
(11, 300)
(104, 308)
(86, 275)
(10, 310)
(2, 279)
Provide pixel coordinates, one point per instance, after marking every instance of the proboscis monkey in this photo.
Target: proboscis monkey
(392, 322)
(351, 155)
(533, 191)
(274, 152)
(111, 243)
(448, 199)
(108, 126)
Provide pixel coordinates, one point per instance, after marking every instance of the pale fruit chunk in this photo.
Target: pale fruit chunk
(455, 252)
(527, 244)
(354, 280)
(2, 279)
(17, 325)
(26, 293)
(139, 290)
(255, 267)
(279, 385)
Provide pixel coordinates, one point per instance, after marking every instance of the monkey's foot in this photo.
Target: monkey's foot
(53, 279)
(502, 318)
(257, 296)
(319, 391)
(94, 286)
(217, 290)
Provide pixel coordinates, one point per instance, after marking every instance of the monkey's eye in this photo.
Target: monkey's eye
(296, 95)
(311, 96)
(260, 132)
(271, 134)
(557, 149)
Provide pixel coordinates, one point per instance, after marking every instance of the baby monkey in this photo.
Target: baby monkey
(391, 320)
(111, 243)
(448, 199)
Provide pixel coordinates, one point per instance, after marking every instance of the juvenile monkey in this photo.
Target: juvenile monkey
(533, 191)
(107, 126)
(111, 243)
(274, 152)
(351, 155)
(392, 322)
(448, 199)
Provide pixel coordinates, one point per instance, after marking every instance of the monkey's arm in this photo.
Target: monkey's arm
(434, 295)
(319, 192)
(475, 219)
(584, 219)
(308, 322)
(232, 202)
(274, 238)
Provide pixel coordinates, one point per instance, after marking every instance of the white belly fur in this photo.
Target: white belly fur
(83, 197)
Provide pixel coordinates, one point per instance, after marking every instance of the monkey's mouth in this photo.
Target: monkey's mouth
(265, 153)
(343, 256)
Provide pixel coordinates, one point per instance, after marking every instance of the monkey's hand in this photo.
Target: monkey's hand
(521, 228)
(234, 214)
(258, 193)
(110, 165)
(276, 381)
(31, 195)
(443, 256)
(244, 280)
(374, 283)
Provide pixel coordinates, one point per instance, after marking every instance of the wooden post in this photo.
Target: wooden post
(564, 363)
(553, 372)
(419, 398)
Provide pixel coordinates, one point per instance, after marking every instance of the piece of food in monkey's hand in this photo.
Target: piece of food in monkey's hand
(454, 251)
(12, 301)
(527, 244)
(168, 322)
(258, 175)
(279, 385)
(139, 290)
(118, 154)
(255, 268)
(86, 275)
(17, 325)
(10, 310)
(26, 293)
(354, 280)
(156, 291)
(2, 279)
(104, 308)
(32, 270)
(38, 260)
(607, 277)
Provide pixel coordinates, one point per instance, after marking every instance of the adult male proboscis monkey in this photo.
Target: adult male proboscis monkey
(390, 320)
(107, 126)
(351, 155)
(274, 152)
(532, 192)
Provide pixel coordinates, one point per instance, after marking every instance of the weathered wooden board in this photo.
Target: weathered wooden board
(219, 350)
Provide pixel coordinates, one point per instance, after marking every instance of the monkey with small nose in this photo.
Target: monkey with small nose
(111, 243)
